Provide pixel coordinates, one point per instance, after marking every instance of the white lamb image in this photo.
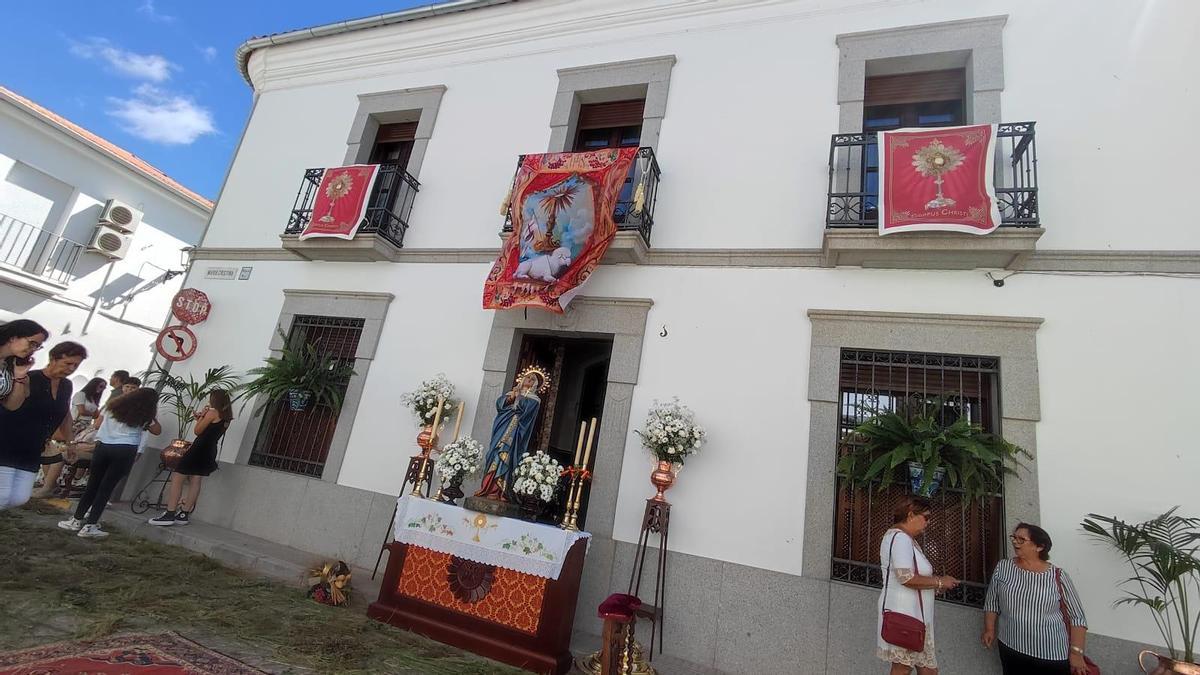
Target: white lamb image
(545, 267)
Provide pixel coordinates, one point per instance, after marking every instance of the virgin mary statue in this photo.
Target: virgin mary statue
(516, 412)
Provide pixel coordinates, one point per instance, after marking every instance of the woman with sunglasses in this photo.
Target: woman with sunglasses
(1030, 597)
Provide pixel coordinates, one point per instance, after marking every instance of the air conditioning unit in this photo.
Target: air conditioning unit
(121, 216)
(111, 242)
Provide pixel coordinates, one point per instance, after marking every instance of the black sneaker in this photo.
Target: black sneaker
(181, 517)
(167, 518)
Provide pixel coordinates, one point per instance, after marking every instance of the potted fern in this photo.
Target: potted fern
(934, 443)
(301, 375)
(1164, 555)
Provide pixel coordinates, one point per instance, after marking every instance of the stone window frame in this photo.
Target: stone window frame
(973, 44)
(372, 308)
(648, 78)
(418, 105)
(1011, 339)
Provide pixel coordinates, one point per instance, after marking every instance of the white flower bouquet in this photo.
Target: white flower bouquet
(423, 401)
(461, 458)
(537, 476)
(670, 432)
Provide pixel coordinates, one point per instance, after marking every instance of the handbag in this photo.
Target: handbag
(1092, 668)
(902, 630)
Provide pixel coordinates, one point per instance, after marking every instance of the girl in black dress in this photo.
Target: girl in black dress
(200, 459)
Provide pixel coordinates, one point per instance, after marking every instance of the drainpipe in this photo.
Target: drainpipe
(99, 296)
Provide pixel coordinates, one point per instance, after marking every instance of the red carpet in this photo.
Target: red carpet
(139, 654)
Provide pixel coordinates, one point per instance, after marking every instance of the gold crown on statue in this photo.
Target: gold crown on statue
(543, 377)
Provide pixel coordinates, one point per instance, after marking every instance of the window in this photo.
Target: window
(964, 539)
(299, 441)
(612, 125)
(928, 99)
(394, 144)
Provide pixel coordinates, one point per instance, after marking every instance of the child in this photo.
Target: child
(126, 421)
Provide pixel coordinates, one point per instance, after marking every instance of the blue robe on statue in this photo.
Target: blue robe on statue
(511, 432)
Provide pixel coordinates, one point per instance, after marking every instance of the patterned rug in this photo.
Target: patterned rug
(137, 654)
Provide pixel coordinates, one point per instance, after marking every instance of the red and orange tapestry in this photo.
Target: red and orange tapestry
(496, 594)
(341, 202)
(562, 215)
(938, 179)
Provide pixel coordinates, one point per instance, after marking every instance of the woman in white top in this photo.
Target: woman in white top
(909, 585)
(85, 404)
(126, 421)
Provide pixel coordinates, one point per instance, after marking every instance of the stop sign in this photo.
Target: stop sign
(190, 306)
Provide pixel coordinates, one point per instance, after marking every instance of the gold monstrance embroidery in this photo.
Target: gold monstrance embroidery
(338, 187)
(936, 160)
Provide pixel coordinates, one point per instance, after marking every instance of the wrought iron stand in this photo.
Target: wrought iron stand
(419, 474)
(141, 501)
(656, 520)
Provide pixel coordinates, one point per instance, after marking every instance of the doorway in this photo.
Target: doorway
(578, 369)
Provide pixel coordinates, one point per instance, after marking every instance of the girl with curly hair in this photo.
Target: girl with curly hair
(128, 419)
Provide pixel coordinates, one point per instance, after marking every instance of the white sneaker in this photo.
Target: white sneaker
(92, 532)
(71, 524)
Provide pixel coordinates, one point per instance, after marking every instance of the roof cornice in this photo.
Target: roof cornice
(247, 48)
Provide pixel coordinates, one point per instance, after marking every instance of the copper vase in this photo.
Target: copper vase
(1167, 665)
(663, 477)
(425, 438)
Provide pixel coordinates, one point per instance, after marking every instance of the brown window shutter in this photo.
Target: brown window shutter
(935, 85)
(614, 114)
(394, 133)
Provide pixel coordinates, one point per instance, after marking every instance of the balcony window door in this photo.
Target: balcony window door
(929, 99)
(393, 146)
(617, 124)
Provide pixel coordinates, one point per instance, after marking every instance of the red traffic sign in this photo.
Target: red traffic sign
(190, 306)
(176, 343)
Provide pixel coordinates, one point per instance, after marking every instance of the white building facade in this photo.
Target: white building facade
(757, 291)
(58, 186)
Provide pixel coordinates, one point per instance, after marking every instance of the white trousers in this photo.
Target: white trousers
(15, 487)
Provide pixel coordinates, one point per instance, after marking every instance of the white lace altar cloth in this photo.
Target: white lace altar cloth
(514, 544)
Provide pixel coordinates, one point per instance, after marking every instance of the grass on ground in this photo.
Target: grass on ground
(58, 585)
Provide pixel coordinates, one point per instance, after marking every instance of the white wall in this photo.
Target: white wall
(752, 105)
(40, 169)
(1105, 387)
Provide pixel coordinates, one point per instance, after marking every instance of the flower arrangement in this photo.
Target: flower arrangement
(460, 458)
(423, 401)
(671, 433)
(537, 476)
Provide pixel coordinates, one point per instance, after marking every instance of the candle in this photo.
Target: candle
(587, 453)
(458, 420)
(579, 445)
(437, 418)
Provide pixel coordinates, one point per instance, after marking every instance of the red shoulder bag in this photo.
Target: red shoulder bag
(899, 629)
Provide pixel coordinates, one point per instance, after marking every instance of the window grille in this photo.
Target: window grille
(965, 539)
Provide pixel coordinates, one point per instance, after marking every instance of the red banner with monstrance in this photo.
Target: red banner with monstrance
(341, 201)
(938, 179)
(562, 215)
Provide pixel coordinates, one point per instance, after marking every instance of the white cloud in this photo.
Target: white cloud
(161, 116)
(147, 7)
(209, 53)
(152, 67)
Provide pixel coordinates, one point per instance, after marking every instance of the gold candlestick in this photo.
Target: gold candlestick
(425, 452)
(587, 453)
(458, 420)
(437, 420)
(570, 519)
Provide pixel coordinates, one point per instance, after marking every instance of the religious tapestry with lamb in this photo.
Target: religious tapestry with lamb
(561, 208)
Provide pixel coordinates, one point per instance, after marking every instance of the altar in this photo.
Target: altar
(499, 587)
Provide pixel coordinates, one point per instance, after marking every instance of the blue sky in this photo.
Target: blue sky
(156, 77)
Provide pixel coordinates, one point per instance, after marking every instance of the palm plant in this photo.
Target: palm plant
(301, 373)
(184, 394)
(559, 200)
(1164, 554)
(971, 459)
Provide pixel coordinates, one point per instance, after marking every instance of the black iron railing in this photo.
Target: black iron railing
(644, 174)
(854, 189)
(388, 207)
(35, 251)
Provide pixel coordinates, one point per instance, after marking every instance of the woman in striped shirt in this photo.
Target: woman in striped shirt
(1029, 593)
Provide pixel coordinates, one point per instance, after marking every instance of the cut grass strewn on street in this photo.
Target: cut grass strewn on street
(57, 587)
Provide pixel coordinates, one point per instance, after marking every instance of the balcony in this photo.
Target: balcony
(852, 225)
(381, 234)
(36, 259)
(634, 226)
